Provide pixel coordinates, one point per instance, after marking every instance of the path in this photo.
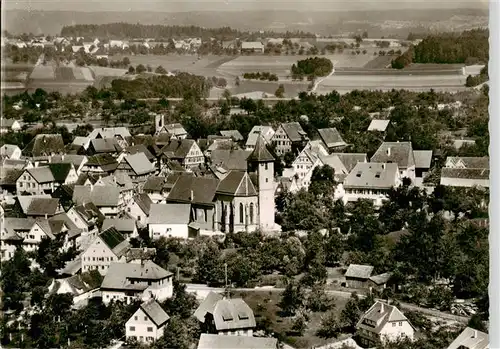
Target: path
(203, 290)
(321, 80)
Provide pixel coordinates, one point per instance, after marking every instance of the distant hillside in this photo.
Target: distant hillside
(321, 22)
(130, 31)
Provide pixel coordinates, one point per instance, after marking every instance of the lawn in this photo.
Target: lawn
(265, 305)
(43, 72)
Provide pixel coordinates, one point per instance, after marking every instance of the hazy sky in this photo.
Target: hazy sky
(221, 5)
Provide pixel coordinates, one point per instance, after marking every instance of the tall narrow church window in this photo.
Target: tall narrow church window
(241, 213)
(265, 166)
(251, 213)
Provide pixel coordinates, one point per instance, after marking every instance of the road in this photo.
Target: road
(321, 80)
(203, 290)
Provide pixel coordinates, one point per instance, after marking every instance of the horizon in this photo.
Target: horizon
(168, 6)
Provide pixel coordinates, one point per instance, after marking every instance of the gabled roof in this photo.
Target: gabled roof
(214, 341)
(13, 225)
(381, 279)
(207, 306)
(143, 201)
(470, 161)
(8, 149)
(265, 131)
(230, 159)
(140, 148)
(10, 176)
(423, 158)
(170, 213)
(237, 183)
(119, 275)
(294, 131)
(378, 125)
(178, 148)
(110, 132)
(359, 271)
(465, 173)
(351, 159)
(234, 134)
(231, 314)
(44, 144)
(8, 123)
(38, 205)
(102, 195)
(175, 129)
(155, 312)
(74, 159)
(115, 241)
(470, 339)
(123, 225)
(331, 137)
(372, 175)
(41, 174)
(139, 163)
(105, 145)
(381, 313)
(89, 211)
(154, 183)
(202, 190)
(260, 152)
(400, 153)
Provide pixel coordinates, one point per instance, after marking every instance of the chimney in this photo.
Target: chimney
(389, 151)
(191, 196)
(474, 334)
(62, 157)
(46, 217)
(381, 307)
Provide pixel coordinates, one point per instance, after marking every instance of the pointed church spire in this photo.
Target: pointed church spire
(260, 153)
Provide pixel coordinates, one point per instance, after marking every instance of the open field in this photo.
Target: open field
(379, 62)
(265, 305)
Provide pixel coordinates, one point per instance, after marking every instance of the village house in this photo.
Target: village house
(213, 341)
(45, 145)
(378, 125)
(38, 206)
(423, 159)
(156, 188)
(100, 164)
(223, 160)
(141, 148)
(146, 325)
(267, 132)
(400, 153)
(289, 137)
(185, 151)
(10, 125)
(357, 276)
(105, 197)
(371, 181)
(126, 226)
(466, 172)
(383, 322)
(123, 182)
(235, 135)
(78, 161)
(128, 281)
(81, 287)
(108, 247)
(176, 131)
(342, 163)
(12, 232)
(303, 166)
(45, 179)
(9, 151)
(137, 166)
(470, 339)
(88, 218)
(170, 220)
(138, 208)
(104, 146)
(120, 134)
(230, 317)
(332, 139)
(199, 192)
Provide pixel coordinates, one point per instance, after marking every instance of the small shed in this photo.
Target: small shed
(379, 282)
(358, 276)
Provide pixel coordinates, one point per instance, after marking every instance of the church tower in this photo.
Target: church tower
(263, 163)
(159, 122)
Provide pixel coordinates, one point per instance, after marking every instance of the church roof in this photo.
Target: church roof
(260, 153)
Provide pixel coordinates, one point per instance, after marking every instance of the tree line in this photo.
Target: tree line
(311, 68)
(469, 47)
(261, 76)
(129, 31)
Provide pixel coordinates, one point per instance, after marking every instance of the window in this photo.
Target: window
(150, 329)
(251, 213)
(393, 324)
(132, 328)
(145, 318)
(241, 213)
(136, 318)
(267, 180)
(400, 323)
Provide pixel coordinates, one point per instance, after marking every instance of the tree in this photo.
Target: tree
(140, 69)
(178, 334)
(126, 61)
(322, 181)
(209, 266)
(318, 300)
(299, 325)
(330, 326)
(280, 92)
(131, 70)
(182, 304)
(160, 70)
(292, 298)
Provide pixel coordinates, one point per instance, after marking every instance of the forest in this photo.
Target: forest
(131, 31)
(311, 68)
(469, 47)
